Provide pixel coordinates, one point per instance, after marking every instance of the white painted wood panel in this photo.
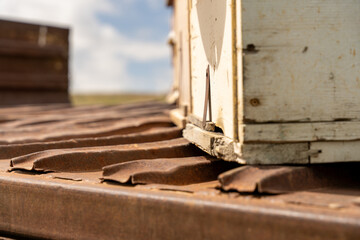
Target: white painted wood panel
(211, 44)
(240, 77)
(182, 67)
(301, 132)
(287, 153)
(330, 152)
(303, 60)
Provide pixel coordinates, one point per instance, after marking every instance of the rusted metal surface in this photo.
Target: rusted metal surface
(172, 171)
(333, 198)
(282, 179)
(39, 207)
(33, 63)
(125, 172)
(152, 135)
(63, 129)
(94, 158)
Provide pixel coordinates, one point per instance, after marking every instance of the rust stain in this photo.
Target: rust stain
(353, 52)
(161, 171)
(170, 171)
(282, 179)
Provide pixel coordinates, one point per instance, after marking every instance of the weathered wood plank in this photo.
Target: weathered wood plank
(211, 45)
(32, 33)
(208, 126)
(213, 143)
(25, 49)
(57, 82)
(301, 60)
(33, 65)
(289, 153)
(222, 147)
(16, 97)
(301, 132)
(330, 152)
(182, 51)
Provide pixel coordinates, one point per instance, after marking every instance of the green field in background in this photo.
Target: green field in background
(113, 99)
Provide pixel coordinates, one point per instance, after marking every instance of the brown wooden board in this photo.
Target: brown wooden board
(33, 63)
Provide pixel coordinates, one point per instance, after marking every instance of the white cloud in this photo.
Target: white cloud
(100, 53)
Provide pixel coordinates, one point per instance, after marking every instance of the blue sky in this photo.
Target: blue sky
(117, 45)
(140, 19)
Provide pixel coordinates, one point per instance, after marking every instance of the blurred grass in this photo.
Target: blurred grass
(113, 99)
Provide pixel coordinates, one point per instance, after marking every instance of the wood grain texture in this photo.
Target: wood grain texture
(329, 152)
(34, 63)
(211, 45)
(21, 81)
(30, 33)
(182, 48)
(301, 60)
(289, 153)
(222, 147)
(213, 143)
(301, 132)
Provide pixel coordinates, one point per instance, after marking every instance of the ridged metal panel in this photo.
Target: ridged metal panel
(125, 172)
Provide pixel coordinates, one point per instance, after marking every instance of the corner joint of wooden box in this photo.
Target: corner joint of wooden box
(215, 144)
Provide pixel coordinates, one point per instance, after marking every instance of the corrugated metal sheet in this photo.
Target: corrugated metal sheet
(125, 172)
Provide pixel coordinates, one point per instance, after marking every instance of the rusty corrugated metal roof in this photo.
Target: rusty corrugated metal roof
(126, 172)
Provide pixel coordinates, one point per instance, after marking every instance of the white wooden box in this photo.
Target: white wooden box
(284, 80)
